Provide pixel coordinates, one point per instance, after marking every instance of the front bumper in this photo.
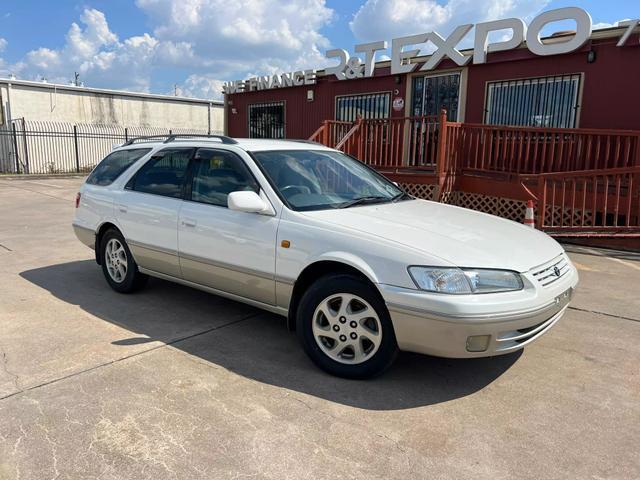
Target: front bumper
(445, 332)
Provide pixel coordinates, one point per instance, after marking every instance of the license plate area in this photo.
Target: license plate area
(564, 298)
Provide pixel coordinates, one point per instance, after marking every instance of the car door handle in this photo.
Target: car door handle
(122, 208)
(188, 222)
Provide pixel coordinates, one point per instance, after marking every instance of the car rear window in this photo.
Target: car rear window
(114, 164)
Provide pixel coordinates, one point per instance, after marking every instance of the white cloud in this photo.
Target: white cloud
(232, 38)
(3, 65)
(387, 19)
(201, 86)
(205, 41)
(600, 25)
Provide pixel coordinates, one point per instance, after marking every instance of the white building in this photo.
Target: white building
(82, 105)
(52, 128)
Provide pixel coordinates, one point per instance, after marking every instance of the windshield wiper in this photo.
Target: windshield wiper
(363, 201)
(401, 196)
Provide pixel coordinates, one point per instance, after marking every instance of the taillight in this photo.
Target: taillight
(77, 199)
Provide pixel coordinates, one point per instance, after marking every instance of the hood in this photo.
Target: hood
(463, 237)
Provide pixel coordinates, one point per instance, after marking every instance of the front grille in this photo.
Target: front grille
(552, 271)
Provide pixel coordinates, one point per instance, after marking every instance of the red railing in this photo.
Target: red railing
(490, 148)
(590, 201)
(585, 182)
(385, 142)
(331, 132)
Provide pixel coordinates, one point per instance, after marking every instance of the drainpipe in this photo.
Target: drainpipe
(209, 118)
(9, 117)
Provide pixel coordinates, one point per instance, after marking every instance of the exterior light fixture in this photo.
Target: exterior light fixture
(591, 56)
(310, 95)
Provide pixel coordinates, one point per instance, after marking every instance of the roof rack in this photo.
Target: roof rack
(168, 138)
(304, 141)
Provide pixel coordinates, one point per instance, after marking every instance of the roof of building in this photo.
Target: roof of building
(105, 91)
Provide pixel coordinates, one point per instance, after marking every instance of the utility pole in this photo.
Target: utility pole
(76, 79)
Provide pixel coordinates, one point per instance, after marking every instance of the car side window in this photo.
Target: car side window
(109, 169)
(164, 174)
(217, 173)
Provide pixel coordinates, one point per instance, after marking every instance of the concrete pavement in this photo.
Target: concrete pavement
(175, 383)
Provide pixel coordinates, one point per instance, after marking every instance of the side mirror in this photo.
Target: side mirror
(246, 201)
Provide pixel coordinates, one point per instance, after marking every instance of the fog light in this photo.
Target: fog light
(478, 343)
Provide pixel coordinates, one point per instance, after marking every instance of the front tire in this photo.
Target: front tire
(345, 328)
(118, 266)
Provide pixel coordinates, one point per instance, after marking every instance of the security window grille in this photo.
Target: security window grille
(534, 102)
(432, 93)
(371, 105)
(266, 120)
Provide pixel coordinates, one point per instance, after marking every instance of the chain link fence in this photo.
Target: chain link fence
(40, 147)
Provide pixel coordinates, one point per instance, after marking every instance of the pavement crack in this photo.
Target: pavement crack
(596, 312)
(112, 362)
(16, 380)
(6, 248)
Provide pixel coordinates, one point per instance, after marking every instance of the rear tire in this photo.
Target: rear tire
(345, 328)
(118, 266)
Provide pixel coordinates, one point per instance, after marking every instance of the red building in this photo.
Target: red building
(595, 86)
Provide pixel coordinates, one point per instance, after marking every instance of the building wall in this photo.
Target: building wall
(74, 106)
(302, 118)
(610, 94)
(610, 98)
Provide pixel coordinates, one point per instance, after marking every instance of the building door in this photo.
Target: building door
(432, 93)
(266, 120)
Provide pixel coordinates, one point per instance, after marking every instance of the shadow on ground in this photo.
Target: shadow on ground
(257, 345)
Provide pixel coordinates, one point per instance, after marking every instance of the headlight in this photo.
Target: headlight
(460, 281)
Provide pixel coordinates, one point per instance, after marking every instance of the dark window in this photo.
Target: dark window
(370, 105)
(433, 93)
(534, 102)
(216, 174)
(163, 174)
(112, 166)
(266, 120)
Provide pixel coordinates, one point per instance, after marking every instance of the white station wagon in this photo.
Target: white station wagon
(359, 268)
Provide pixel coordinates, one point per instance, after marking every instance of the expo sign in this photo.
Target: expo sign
(350, 67)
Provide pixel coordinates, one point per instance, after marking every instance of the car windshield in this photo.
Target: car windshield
(317, 179)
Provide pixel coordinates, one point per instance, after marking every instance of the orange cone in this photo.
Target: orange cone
(528, 216)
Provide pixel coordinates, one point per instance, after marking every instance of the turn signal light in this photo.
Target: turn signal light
(77, 199)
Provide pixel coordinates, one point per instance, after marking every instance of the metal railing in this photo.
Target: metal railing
(40, 147)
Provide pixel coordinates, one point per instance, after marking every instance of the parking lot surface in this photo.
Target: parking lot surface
(176, 383)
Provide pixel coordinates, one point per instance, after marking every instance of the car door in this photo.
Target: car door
(221, 248)
(147, 210)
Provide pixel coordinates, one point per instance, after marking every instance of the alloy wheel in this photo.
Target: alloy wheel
(347, 328)
(115, 257)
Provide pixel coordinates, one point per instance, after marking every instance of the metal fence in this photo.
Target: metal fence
(38, 147)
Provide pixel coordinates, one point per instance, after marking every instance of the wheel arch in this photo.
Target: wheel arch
(99, 233)
(328, 264)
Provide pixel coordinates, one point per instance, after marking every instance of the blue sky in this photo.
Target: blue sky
(154, 45)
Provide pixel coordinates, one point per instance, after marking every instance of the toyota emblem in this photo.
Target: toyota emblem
(556, 270)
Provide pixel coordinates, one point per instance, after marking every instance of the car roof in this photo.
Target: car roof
(248, 144)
